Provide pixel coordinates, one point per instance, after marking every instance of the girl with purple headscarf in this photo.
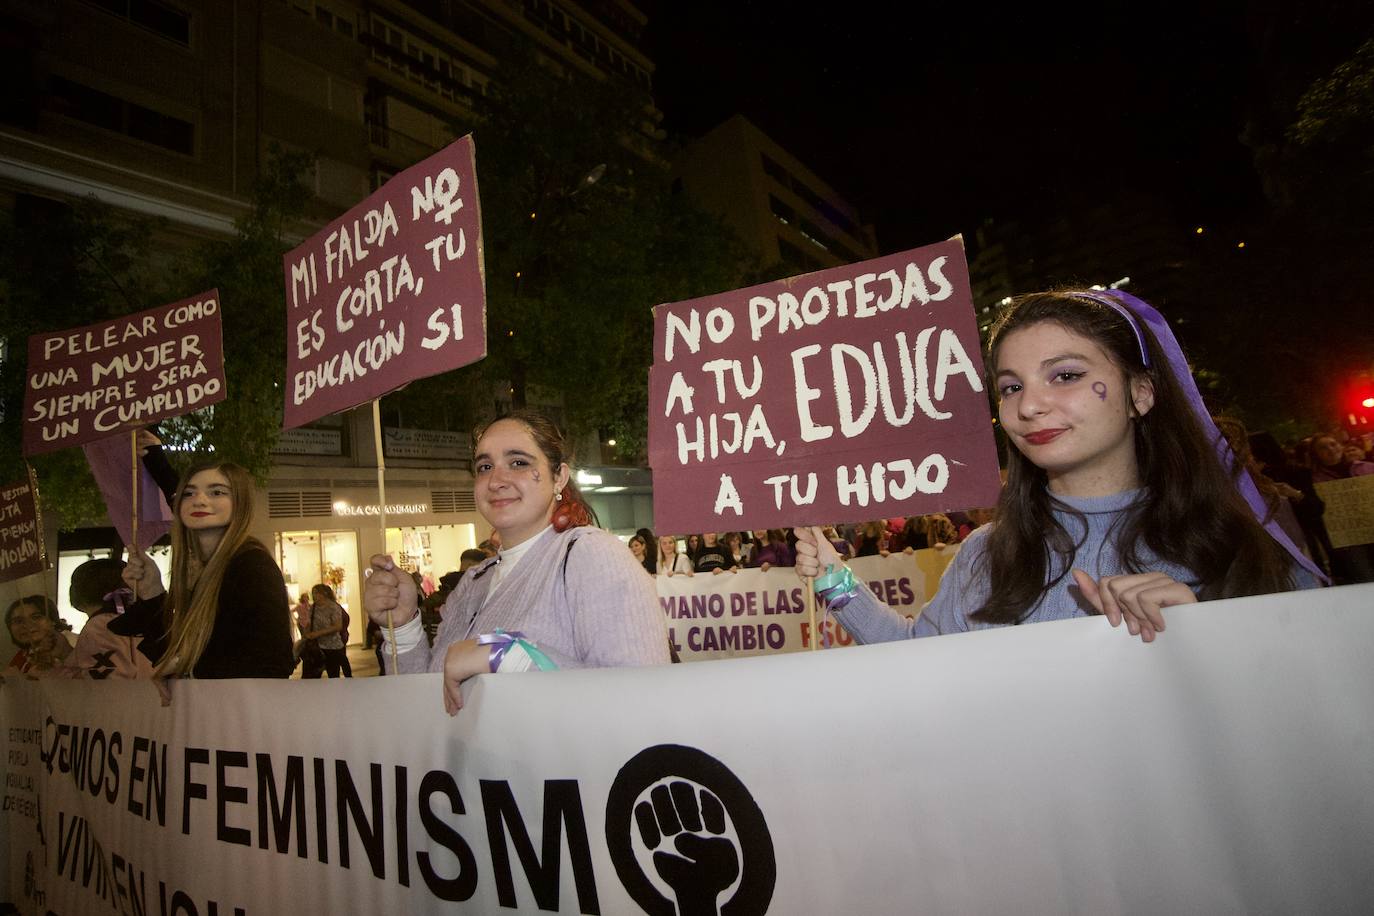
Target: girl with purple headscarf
(1119, 499)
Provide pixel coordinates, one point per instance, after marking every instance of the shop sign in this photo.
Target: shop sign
(426, 443)
(309, 442)
(347, 509)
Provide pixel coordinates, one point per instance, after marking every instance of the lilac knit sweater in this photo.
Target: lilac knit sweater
(601, 610)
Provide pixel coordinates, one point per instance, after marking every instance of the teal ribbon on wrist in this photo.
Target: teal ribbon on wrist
(836, 588)
(835, 581)
(501, 643)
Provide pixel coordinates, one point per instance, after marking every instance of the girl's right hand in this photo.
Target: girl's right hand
(389, 590)
(814, 552)
(142, 575)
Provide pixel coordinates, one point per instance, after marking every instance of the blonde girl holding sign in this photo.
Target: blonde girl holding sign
(227, 613)
(1119, 499)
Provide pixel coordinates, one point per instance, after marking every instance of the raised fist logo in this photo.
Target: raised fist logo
(705, 862)
(686, 836)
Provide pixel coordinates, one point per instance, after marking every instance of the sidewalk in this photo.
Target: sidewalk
(364, 662)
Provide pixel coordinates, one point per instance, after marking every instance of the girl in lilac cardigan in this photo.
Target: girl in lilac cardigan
(576, 596)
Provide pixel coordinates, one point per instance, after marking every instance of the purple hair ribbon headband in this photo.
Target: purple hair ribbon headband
(1124, 312)
(1136, 310)
(119, 596)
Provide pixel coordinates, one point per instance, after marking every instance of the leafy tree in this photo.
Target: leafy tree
(582, 238)
(1298, 326)
(66, 265)
(247, 270)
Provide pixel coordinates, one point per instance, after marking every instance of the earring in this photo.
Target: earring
(559, 497)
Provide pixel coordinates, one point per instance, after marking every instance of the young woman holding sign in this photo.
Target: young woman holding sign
(560, 594)
(1118, 501)
(227, 613)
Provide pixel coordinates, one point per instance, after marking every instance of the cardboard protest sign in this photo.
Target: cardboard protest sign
(91, 382)
(1349, 517)
(21, 536)
(843, 395)
(390, 292)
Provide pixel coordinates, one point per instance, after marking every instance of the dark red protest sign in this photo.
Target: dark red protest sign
(390, 292)
(848, 394)
(21, 537)
(89, 383)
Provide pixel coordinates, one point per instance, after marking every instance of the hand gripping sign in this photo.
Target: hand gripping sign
(844, 395)
(390, 292)
(91, 382)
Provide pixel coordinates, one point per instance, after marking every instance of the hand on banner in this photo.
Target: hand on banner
(463, 660)
(1138, 599)
(388, 589)
(142, 575)
(814, 552)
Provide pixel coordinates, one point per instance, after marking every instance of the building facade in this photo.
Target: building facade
(171, 108)
(783, 211)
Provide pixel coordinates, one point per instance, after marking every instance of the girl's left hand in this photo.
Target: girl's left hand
(462, 661)
(50, 650)
(1138, 599)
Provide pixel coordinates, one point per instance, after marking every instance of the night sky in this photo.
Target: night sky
(937, 117)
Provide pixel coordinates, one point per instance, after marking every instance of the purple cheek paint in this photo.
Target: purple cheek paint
(1100, 389)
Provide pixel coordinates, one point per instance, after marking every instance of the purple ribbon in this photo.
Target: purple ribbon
(119, 596)
(500, 642)
(1138, 309)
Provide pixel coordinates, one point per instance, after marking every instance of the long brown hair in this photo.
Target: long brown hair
(1193, 515)
(192, 602)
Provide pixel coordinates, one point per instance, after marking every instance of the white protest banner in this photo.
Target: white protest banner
(753, 612)
(390, 292)
(88, 383)
(1060, 767)
(847, 394)
(1349, 516)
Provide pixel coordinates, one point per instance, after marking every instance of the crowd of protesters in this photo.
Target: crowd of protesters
(226, 613)
(1286, 476)
(717, 552)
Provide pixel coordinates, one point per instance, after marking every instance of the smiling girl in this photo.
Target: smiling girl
(227, 613)
(1118, 501)
(39, 633)
(572, 592)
